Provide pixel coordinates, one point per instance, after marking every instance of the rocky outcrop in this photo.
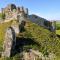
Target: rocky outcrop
(36, 55)
(9, 42)
(11, 11)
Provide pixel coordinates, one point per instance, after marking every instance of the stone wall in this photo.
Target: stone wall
(9, 42)
(12, 11)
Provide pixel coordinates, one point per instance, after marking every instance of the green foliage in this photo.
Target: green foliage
(58, 28)
(3, 28)
(7, 58)
(48, 41)
(58, 25)
(2, 16)
(58, 32)
(18, 56)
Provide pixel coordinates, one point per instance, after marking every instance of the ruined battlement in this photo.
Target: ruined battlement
(12, 11)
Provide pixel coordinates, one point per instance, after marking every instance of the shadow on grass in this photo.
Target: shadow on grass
(21, 42)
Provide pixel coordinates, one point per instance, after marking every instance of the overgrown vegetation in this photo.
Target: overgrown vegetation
(48, 41)
(2, 16)
(3, 28)
(58, 25)
(58, 28)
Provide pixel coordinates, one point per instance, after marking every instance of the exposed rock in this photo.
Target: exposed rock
(36, 55)
(11, 11)
(9, 42)
(16, 29)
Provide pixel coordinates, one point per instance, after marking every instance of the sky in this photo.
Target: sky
(49, 9)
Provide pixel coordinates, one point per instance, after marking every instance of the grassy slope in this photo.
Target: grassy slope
(58, 28)
(48, 40)
(0, 15)
(42, 36)
(3, 27)
(39, 33)
(58, 32)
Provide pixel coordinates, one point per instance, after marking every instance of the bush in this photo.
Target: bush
(3, 16)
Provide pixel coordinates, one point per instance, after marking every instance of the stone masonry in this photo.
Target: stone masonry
(11, 11)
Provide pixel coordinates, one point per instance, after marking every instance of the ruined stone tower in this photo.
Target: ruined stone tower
(17, 14)
(13, 12)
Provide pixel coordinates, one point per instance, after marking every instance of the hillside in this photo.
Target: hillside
(3, 28)
(58, 27)
(43, 38)
(36, 19)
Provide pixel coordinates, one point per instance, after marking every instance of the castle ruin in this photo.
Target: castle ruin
(13, 12)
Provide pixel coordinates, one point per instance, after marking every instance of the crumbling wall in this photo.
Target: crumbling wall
(9, 42)
(11, 11)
